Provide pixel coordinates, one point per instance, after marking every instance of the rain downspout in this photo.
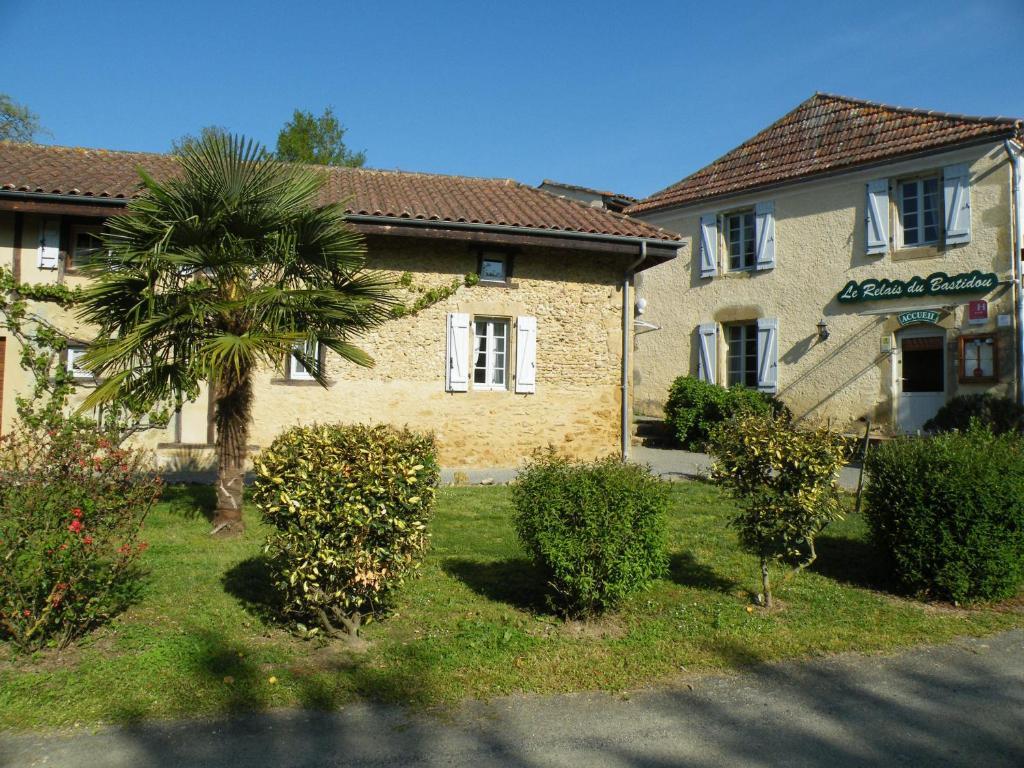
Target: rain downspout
(1018, 248)
(627, 341)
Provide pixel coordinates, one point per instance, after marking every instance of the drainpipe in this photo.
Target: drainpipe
(627, 343)
(1014, 151)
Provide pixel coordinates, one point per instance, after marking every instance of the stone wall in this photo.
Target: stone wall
(575, 296)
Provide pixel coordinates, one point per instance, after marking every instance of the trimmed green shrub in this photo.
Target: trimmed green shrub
(948, 513)
(1000, 414)
(72, 504)
(785, 481)
(597, 529)
(694, 407)
(350, 505)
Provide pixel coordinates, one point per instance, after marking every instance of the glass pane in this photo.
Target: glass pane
(492, 269)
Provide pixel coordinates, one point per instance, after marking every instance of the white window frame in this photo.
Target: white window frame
(496, 258)
(495, 359)
(296, 370)
(748, 239)
(93, 229)
(73, 352)
(919, 183)
(748, 337)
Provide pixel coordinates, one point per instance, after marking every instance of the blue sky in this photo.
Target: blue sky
(624, 96)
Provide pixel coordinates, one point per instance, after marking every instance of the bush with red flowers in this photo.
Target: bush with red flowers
(72, 504)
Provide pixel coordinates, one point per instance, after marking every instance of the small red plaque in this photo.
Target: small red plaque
(977, 311)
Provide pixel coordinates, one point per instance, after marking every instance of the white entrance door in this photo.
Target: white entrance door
(920, 377)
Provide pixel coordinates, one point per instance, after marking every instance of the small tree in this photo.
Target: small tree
(316, 140)
(784, 479)
(17, 122)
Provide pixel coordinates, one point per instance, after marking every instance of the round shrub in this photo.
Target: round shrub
(695, 407)
(597, 530)
(948, 513)
(1000, 414)
(72, 504)
(350, 505)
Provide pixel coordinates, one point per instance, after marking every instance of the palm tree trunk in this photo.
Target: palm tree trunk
(233, 411)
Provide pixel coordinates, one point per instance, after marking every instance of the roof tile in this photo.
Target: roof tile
(33, 168)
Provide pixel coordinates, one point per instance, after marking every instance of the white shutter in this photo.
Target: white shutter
(708, 245)
(956, 188)
(49, 244)
(768, 354)
(765, 233)
(877, 218)
(526, 355)
(707, 353)
(457, 370)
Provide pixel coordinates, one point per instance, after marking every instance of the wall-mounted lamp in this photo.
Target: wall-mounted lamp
(822, 330)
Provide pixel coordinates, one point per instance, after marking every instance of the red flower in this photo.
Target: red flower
(76, 526)
(87, 540)
(143, 546)
(63, 546)
(27, 613)
(76, 512)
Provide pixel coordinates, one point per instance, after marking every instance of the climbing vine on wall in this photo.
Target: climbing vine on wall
(428, 297)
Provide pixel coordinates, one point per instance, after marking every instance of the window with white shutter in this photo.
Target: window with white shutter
(49, 244)
(765, 215)
(956, 189)
(920, 210)
(709, 245)
(876, 218)
(490, 353)
(768, 354)
(296, 370)
(526, 355)
(457, 353)
(707, 352)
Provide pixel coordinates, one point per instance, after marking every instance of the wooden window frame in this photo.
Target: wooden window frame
(897, 204)
(723, 227)
(490, 353)
(504, 257)
(292, 374)
(749, 335)
(70, 353)
(71, 232)
(963, 377)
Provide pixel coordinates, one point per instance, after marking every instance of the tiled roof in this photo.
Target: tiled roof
(588, 190)
(94, 173)
(824, 134)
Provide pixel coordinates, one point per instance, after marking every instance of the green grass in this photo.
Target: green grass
(473, 624)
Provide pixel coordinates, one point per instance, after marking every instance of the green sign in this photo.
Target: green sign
(915, 316)
(936, 284)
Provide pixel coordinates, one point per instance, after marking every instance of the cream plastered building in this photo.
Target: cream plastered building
(860, 261)
(530, 356)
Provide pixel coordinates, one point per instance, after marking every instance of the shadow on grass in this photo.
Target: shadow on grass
(191, 501)
(853, 561)
(686, 571)
(250, 583)
(516, 581)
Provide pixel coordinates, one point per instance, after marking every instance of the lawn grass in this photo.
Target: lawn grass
(473, 624)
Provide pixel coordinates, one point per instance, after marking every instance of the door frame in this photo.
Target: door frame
(919, 331)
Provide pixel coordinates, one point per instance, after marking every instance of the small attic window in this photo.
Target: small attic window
(494, 268)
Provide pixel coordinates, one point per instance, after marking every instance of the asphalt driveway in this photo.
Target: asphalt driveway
(955, 705)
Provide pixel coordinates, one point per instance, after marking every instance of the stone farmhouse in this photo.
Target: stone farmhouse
(534, 354)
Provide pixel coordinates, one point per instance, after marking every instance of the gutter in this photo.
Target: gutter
(1013, 149)
(392, 221)
(627, 341)
(57, 197)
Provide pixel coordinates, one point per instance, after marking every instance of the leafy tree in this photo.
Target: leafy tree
(228, 268)
(178, 146)
(316, 140)
(785, 481)
(17, 122)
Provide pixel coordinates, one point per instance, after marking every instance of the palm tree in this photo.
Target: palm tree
(224, 269)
